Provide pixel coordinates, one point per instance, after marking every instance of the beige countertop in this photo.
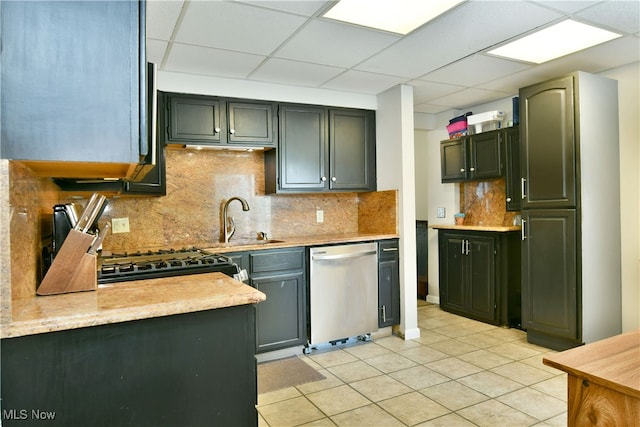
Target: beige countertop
(121, 302)
(288, 242)
(495, 228)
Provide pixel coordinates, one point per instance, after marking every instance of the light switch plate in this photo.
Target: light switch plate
(119, 225)
(319, 215)
(441, 213)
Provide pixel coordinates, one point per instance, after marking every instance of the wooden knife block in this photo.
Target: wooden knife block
(73, 269)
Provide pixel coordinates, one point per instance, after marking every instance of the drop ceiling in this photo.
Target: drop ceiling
(290, 43)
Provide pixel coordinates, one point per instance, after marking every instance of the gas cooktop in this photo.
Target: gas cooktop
(121, 267)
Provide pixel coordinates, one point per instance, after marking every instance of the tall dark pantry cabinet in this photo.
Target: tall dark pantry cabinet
(571, 278)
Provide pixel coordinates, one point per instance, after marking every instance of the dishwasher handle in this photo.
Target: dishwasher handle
(342, 256)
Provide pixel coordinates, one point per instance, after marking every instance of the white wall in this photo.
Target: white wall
(447, 195)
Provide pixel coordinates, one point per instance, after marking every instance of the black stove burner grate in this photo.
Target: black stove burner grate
(122, 267)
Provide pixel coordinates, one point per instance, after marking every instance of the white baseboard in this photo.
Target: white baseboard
(433, 299)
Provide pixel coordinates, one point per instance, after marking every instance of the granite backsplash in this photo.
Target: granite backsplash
(198, 184)
(484, 203)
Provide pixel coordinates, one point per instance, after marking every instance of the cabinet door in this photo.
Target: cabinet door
(250, 123)
(453, 160)
(388, 283)
(548, 144)
(549, 283)
(481, 301)
(281, 318)
(196, 120)
(352, 150)
(303, 162)
(60, 101)
(453, 274)
(511, 141)
(485, 159)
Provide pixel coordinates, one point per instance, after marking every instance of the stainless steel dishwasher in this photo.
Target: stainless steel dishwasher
(343, 292)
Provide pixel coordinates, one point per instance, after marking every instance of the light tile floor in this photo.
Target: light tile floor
(460, 372)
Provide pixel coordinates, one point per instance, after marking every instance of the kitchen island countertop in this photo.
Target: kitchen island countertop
(126, 301)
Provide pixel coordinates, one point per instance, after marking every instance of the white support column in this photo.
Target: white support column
(395, 170)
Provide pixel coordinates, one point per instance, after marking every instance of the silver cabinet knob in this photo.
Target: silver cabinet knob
(232, 131)
(472, 169)
(462, 170)
(323, 179)
(217, 130)
(508, 199)
(333, 179)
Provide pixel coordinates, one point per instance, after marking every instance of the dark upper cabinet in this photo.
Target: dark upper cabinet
(511, 141)
(549, 268)
(472, 157)
(302, 151)
(548, 145)
(453, 160)
(322, 149)
(351, 150)
(207, 120)
(64, 112)
(388, 283)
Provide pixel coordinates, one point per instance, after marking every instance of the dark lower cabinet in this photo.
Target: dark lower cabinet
(511, 141)
(280, 274)
(422, 250)
(549, 282)
(479, 275)
(388, 283)
(195, 369)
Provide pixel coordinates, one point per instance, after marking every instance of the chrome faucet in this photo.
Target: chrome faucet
(229, 223)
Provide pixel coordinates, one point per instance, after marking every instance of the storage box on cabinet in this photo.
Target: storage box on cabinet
(207, 120)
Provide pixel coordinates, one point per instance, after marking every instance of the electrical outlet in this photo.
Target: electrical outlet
(441, 213)
(119, 225)
(319, 215)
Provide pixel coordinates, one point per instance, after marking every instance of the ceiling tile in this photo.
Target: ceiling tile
(620, 15)
(294, 73)
(430, 108)
(474, 70)
(214, 62)
(470, 97)
(236, 26)
(331, 43)
(361, 82)
(162, 17)
(569, 6)
(300, 7)
(447, 38)
(156, 50)
(426, 91)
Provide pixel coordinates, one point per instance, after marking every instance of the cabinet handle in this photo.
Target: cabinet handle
(462, 170)
(384, 313)
(523, 233)
(323, 179)
(467, 251)
(509, 199)
(472, 169)
(217, 130)
(333, 179)
(523, 184)
(389, 249)
(462, 246)
(232, 131)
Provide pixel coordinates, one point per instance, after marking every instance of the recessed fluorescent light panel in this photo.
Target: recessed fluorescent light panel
(396, 16)
(553, 42)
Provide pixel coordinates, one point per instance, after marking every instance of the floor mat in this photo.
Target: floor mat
(284, 373)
